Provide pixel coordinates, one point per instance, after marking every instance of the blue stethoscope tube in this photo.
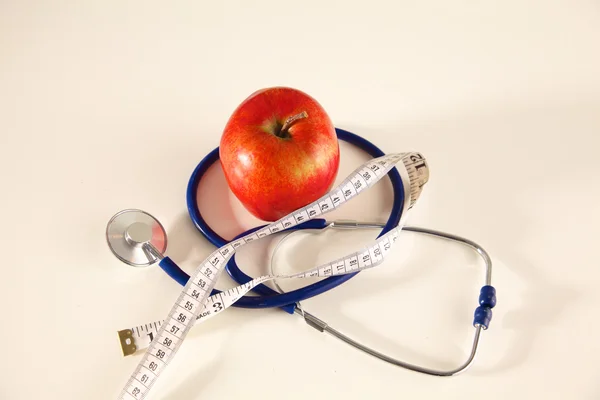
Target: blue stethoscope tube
(269, 298)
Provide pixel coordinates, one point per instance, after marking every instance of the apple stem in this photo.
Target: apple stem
(290, 121)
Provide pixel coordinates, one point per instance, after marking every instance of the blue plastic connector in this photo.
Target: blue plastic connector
(487, 301)
(487, 296)
(483, 316)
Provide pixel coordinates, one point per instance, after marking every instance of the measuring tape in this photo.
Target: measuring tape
(162, 339)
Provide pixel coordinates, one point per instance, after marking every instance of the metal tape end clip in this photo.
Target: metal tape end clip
(127, 342)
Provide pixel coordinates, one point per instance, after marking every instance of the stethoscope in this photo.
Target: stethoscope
(138, 249)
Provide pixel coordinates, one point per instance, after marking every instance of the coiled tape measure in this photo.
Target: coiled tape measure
(162, 339)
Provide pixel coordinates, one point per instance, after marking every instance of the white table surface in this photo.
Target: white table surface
(106, 105)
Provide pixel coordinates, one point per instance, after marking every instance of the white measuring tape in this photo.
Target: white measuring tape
(162, 339)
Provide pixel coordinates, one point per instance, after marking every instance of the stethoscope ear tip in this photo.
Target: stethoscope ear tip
(128, 234)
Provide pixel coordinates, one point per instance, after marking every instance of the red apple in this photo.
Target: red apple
(279, 152)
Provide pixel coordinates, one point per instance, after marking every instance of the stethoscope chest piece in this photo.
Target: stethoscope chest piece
(128, 231)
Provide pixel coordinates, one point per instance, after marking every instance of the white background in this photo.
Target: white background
(109, 105)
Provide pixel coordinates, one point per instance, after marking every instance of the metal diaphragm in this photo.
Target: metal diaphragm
(128, 231)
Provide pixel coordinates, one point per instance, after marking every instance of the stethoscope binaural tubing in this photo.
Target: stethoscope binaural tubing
(290, 301)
